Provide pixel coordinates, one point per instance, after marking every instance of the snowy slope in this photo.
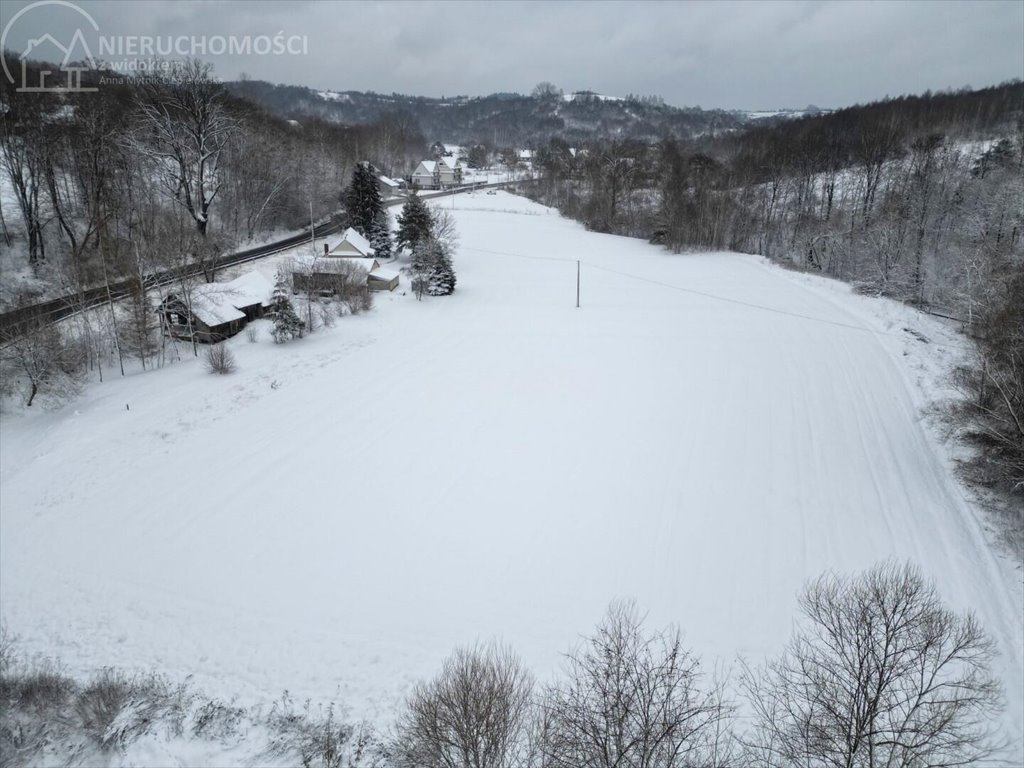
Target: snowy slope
(703, 434)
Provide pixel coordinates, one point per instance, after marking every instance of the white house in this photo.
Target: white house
(424, 177)
(438, 174)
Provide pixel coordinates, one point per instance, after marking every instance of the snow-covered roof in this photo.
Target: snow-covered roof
(356, 240)
(219, 303)
(384, 273)
(249, 289)
(428, 166)
(451, 162)
(389, 182)
(213, 306)
(370, 265)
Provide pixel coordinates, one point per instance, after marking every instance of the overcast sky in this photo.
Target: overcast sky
(755, 55)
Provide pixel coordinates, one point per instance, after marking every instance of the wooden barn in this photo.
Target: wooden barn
(213, 312)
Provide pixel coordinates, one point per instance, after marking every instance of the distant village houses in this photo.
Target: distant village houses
(442, 173)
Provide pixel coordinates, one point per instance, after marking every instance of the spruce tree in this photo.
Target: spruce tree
(414, 223)
(441, 277)
(363, 202)
(287, 324)
(424, 254)
(380, 237)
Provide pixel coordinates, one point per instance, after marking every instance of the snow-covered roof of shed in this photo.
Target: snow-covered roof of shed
(389, 182)
(218, 303)
(250, 288)
(383, 273)
(213, 305)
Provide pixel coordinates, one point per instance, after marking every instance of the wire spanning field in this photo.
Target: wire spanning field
(703, 434)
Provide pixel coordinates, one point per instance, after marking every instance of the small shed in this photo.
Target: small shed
(388, 187)
(383, 279)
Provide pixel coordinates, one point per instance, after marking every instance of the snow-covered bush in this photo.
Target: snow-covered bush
(219, 359)
(321, 740)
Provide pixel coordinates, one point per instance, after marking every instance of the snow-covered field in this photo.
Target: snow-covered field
(705, 433)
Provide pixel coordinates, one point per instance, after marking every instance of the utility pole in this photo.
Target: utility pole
(312, 236)
(577, 283)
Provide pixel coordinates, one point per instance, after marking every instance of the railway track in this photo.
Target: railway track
(14, 322)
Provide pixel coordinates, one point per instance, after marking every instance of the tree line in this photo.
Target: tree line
(172, 165)
(878, 672)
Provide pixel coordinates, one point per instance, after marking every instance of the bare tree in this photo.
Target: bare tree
(880, 674)
(633, 698)
(474, 714)
(23, 159)
(184, 128)
(43, 361)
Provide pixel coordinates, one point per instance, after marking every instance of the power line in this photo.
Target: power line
(712, 296)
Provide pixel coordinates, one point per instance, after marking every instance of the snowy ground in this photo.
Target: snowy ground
(703, 434)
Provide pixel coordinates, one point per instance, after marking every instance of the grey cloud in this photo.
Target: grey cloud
(715, 54)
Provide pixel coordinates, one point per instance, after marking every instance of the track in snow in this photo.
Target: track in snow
(704, 434)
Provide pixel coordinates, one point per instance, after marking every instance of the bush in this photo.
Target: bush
(360, 300)
(115, 710)
(216, 720)
(321, 741)
(475, 713)
(219, 359)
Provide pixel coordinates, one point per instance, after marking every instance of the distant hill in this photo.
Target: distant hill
(501, 118)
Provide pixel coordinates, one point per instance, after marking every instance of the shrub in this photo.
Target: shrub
(99, 704)
(115, 710)
(219, 359)
(321, 741)
(475, 713)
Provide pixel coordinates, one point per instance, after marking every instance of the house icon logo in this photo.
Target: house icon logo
(74, 56)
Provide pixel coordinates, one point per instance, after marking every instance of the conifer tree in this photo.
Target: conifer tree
(441, 278)
(362, 200)
(414, 223)
(380, 237)
(287, 324)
